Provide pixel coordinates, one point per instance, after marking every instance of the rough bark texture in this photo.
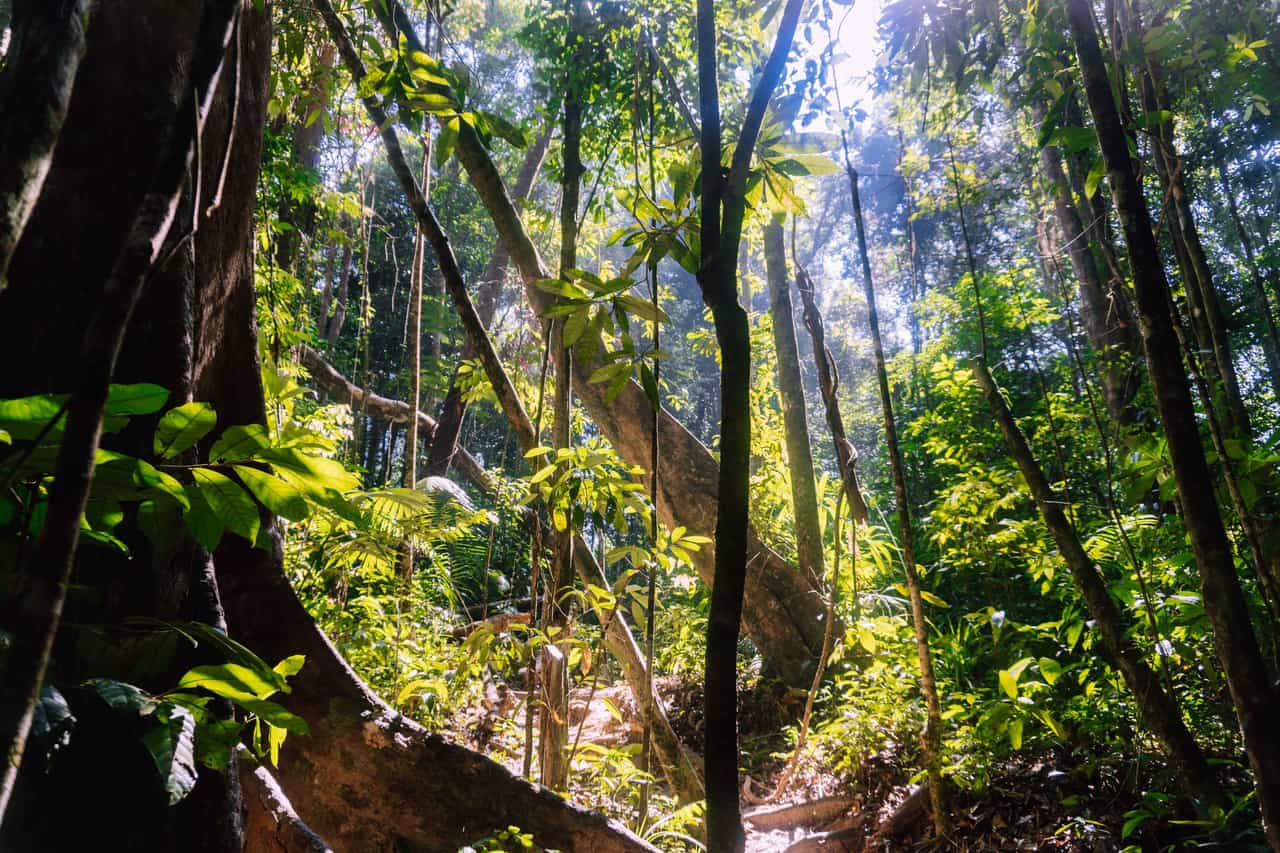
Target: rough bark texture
(48, 41)
(44, 584)
(270, 823)
(1157, 707)
(1250, 686)
(828, 384)
(791, 391)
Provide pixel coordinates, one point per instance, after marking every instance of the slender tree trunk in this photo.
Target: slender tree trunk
(1156, 707)
(554, 740)
(928, 683)
(1106, 320)
(1265, 315)
(332, 326)
(723, 210)
(804, 494)
(444, 441)
(828, 385)
(1209, 316)
(48, 40)
(1247, 678)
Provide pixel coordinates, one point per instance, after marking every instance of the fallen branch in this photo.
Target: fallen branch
(332, 382)
(790, 815)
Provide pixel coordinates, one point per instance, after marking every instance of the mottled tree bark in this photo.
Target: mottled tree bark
(1105, 315)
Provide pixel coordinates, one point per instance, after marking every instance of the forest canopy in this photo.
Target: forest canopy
(441, 425)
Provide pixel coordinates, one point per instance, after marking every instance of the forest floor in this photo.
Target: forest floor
(1032, 802)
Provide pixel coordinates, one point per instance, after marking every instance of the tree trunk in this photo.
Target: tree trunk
(1156, 707)
(48, 40)
(804, 496)
(1106, 319)
(784, 610)
(723, 209)
(1238, 651)
(928, 683)
(828, 384)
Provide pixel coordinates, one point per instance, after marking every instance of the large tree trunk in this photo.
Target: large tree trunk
(784, 610)
(35, 90)
(804, 496)
(1251, 691)
(365, 778)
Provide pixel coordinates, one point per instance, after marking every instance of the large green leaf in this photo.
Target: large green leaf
(229, 502)
(182, 427)
(230, 681)
(140, 399)
(23, 418)
(172, 748)
(241, 441)
(282, 498)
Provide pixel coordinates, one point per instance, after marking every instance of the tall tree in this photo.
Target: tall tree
(1247, 678)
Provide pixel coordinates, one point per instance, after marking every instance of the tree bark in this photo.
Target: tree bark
(828, 384)
(804, 496)
(1237, 647)
(723, 209)
(1106, 318)
(928, 683)
(48, 41)
(784, 609)
(1156, 707)
(49, 573)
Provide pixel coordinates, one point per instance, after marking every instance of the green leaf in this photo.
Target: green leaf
(1050, 670)
(202, 522)
(232, 505)
(159, 521)
(290, 666)
(140, 399)
(1096, 173)
(239, 442)
(1009, 683)
(275, 715)
(1015, 733)
(230, 681)
(933, 599)
(120, 696)
(182, 427)
(172, 748)
(284, 499)
(23, 418)
(642, 308)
